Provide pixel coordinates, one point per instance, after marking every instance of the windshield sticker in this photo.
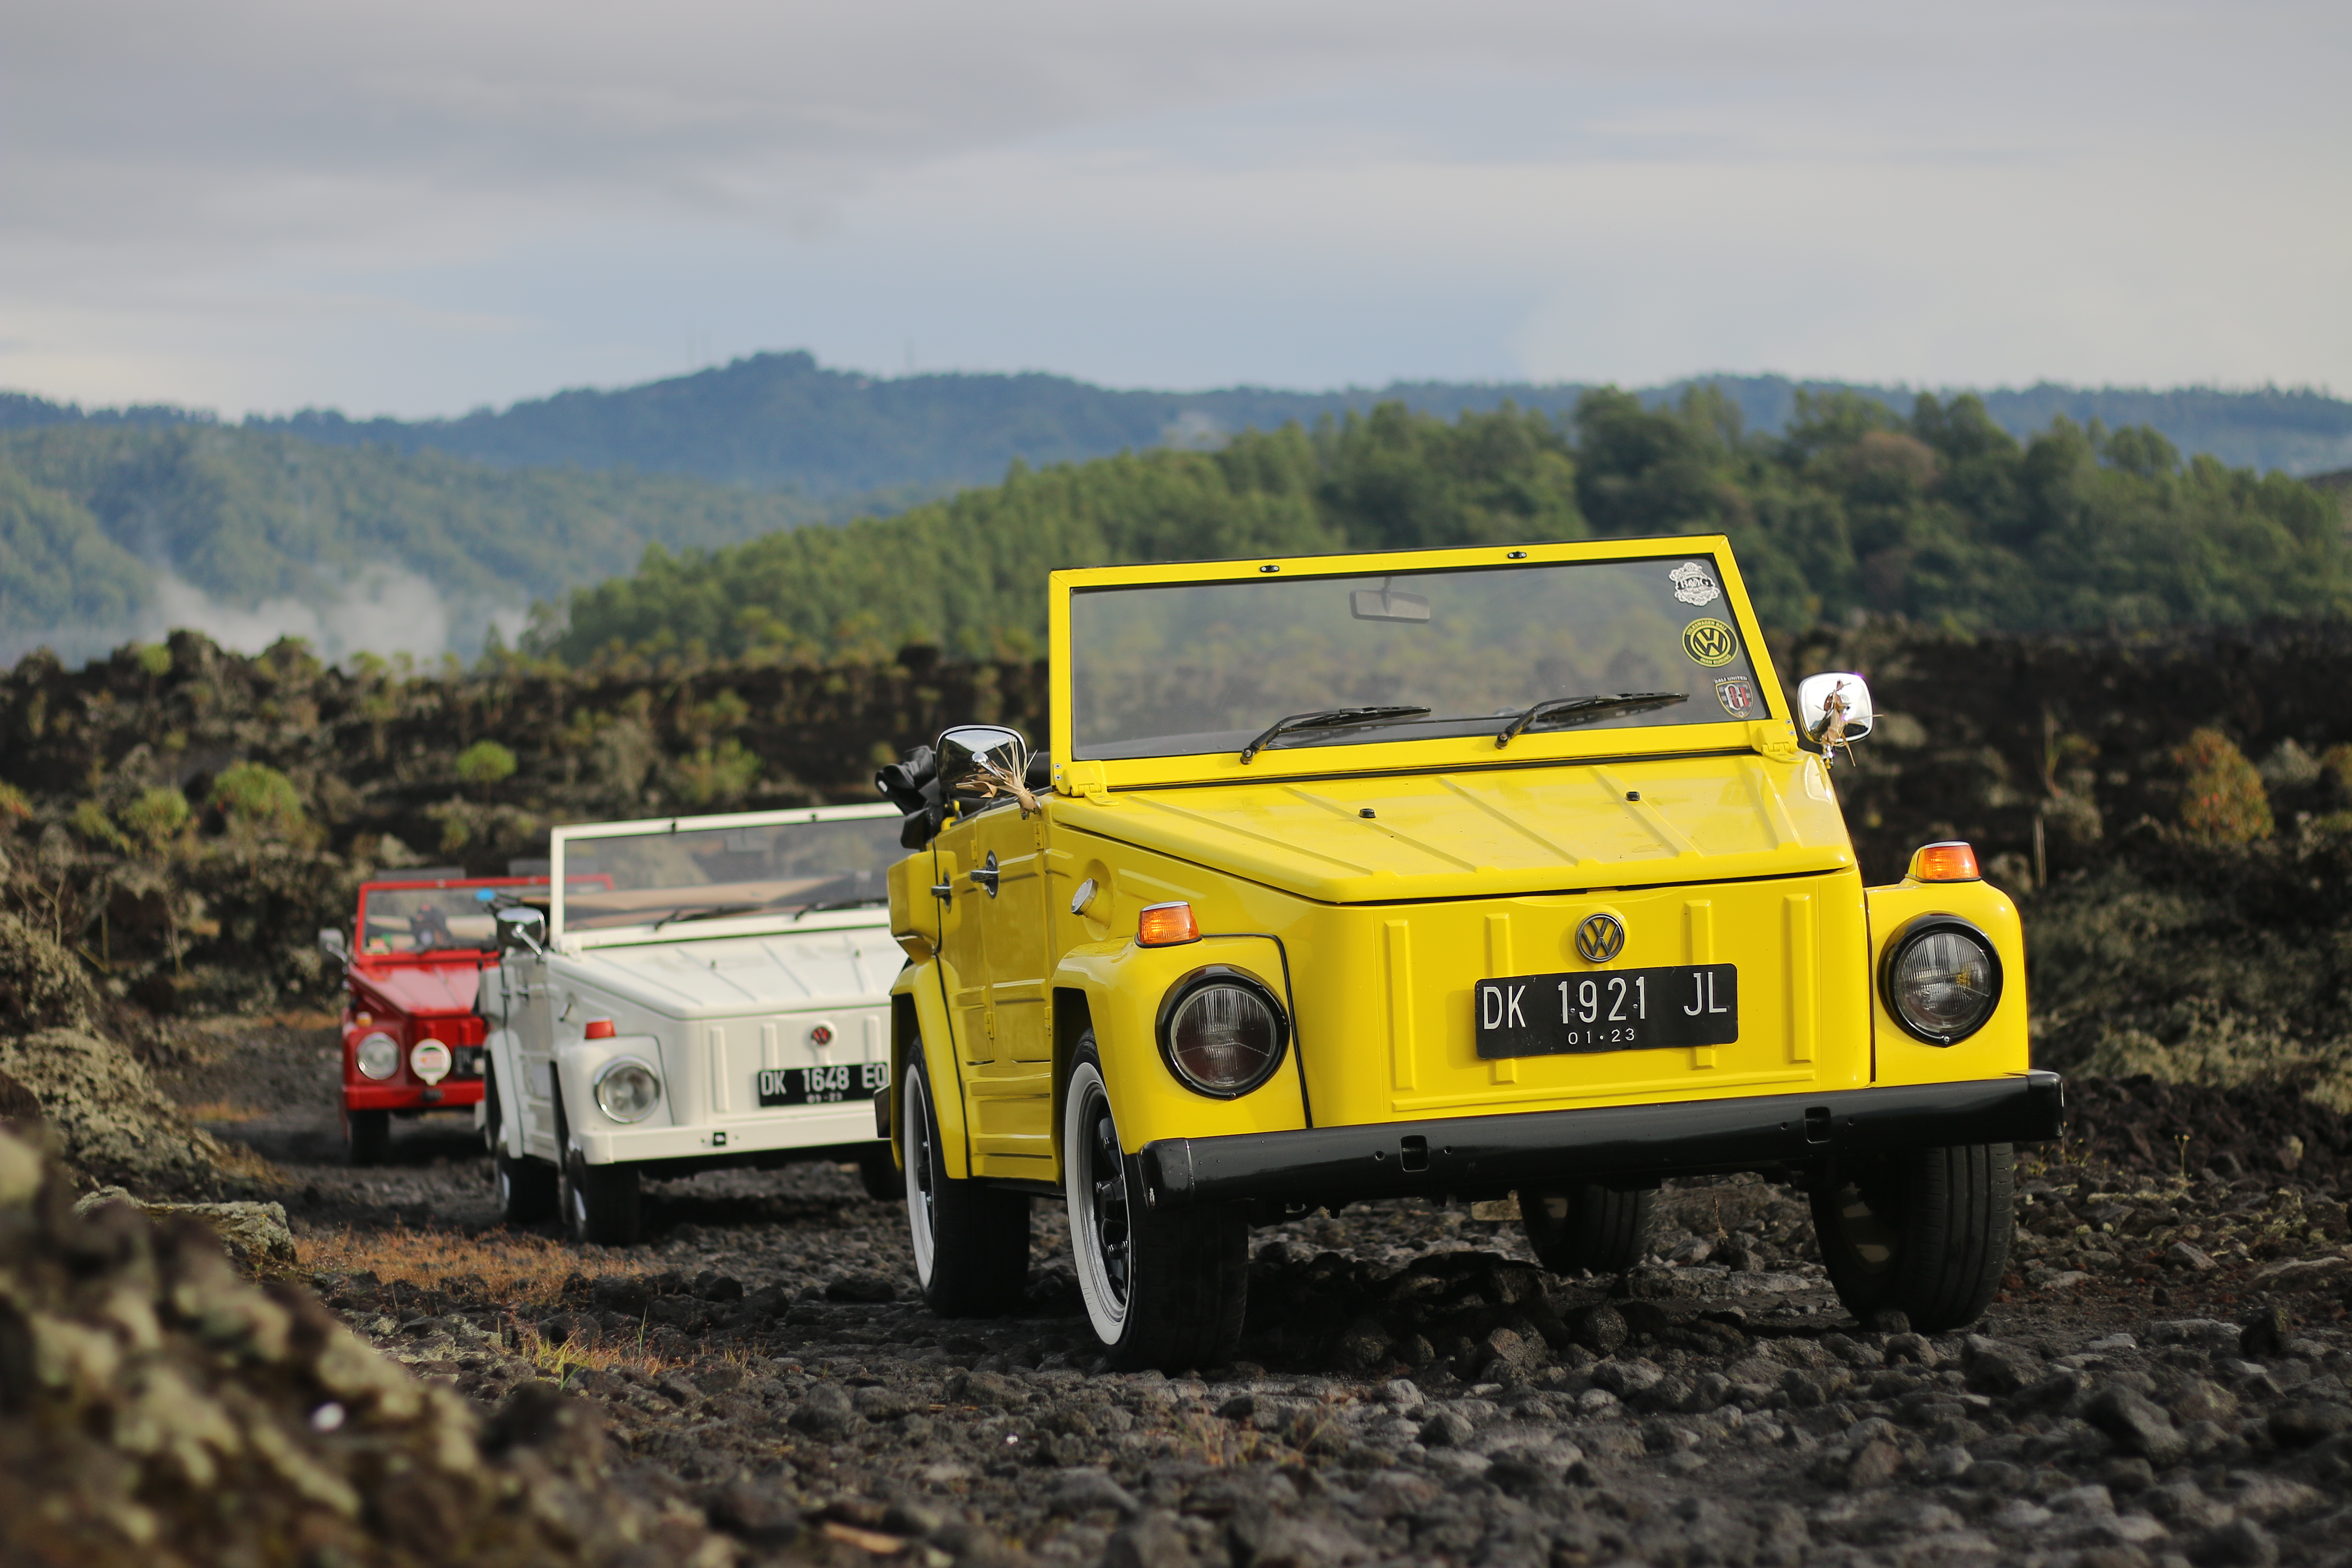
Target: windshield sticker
(1694, 584)
(1736, 695)
(1710, 642)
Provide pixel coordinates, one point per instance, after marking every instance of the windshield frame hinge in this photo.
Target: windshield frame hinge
(1776, 738)
(1086, 779)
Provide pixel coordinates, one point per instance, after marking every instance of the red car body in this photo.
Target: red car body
(417, 951)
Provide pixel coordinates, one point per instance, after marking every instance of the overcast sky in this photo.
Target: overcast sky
(423, 207)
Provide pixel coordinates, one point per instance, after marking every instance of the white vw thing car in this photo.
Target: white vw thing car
(700, 992)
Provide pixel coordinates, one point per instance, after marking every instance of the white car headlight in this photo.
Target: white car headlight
(378, 1056)
(627, 1089)
(429, 1060)
(1221, 1032)
(1942, 979)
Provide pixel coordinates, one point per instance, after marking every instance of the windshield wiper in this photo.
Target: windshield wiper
(858, 903)
(1587, 709)
(708, 912)
(1326, 718)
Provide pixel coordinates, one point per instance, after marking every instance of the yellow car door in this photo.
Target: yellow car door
(993, 965)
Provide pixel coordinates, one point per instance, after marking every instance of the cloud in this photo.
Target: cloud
(260, 203)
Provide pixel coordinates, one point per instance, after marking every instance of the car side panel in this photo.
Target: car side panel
(918, 988)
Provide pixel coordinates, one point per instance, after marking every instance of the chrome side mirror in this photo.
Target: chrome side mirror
(1832, 710)
(523, 929)
(331, 943)
(982, 761)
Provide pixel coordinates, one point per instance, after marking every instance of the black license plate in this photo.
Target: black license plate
(1608, 1010)
(822, 1085)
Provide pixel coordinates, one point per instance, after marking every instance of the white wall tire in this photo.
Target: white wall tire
(922, 1221)
(1162, 1288)
(1094, 1185)
(527, 1188)
(970, 1240)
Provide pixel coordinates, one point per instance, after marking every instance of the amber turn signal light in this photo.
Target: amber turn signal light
(1167, 925)
(599, 1029)
(1945, 863)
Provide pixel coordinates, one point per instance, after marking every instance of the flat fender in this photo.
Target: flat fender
(1123, 985)
(918, 1009)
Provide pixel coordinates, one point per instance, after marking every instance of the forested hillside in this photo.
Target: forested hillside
(1941, 517)
(119, 525)
(782, 421)
(109, 531)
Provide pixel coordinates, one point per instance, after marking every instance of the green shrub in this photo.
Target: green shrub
(2335, 772)
(2221, 799)
(97, 828)
(717, 774)
(258, 799)
(485, 764)
(156, 817)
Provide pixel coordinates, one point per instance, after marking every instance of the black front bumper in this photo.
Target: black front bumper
(1465, 1155)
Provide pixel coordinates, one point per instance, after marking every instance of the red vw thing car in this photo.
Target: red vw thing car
(412, 1040)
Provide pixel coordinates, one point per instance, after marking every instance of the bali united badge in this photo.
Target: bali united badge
(1693, 584)
(1737, 695)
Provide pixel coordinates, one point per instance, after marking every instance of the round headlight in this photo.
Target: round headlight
(378, 1055)
(626, 1089)
(1943, 979)
(1221, 1033)
(429, 1059)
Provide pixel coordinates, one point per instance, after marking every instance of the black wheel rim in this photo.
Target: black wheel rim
(1107, 1175)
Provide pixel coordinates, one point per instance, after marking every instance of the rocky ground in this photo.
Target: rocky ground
(2164, 1380)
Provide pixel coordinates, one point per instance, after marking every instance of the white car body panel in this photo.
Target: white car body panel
(708, 1005)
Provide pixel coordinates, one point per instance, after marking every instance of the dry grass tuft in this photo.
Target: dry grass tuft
(237, 1159)
(558, 1361)
(223, 1111)
(516, 1270)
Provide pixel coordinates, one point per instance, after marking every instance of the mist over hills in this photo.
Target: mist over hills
(421, 536)
(116, 531)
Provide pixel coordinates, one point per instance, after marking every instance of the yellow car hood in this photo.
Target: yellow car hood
(1379, 839)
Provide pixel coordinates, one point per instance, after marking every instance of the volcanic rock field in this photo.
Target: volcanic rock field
(2164, 1380)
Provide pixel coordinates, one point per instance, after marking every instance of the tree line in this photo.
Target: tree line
(1940, 518)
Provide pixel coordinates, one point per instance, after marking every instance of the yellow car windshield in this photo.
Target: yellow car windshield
(1186, 669)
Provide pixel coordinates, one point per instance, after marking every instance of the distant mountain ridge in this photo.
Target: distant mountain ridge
(781, 421)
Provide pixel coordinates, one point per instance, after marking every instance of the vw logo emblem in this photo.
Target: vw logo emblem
(1600, 938)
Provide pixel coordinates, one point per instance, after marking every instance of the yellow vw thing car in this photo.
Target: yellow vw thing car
(1453, 872)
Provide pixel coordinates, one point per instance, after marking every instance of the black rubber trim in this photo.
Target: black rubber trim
(1202, 979)
(1912, 931)
(1465, 1154)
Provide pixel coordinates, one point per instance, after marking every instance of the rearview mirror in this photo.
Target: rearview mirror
(1385, 604)
(982, 760)
(522, 927)
(1834, 709)
(331, 943)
